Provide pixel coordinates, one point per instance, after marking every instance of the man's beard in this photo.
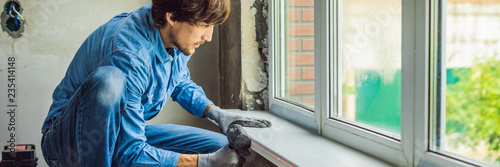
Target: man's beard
(184, 50)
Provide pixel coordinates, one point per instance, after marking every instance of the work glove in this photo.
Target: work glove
(222, 157)
(225, 118)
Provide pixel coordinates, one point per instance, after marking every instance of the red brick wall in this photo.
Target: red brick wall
(300, 51)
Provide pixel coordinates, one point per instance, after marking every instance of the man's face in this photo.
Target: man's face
(188, 37)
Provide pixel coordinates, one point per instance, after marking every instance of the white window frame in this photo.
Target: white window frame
(418, 48)
(372, 142)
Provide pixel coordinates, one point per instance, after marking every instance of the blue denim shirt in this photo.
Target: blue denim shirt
(130, 42)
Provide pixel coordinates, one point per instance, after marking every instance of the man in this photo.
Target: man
(122, 75)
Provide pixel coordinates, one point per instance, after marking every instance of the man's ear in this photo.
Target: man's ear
(168, 17)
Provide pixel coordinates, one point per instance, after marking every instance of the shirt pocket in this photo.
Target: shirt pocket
(158, 95)
(152, 98)
(154, 104)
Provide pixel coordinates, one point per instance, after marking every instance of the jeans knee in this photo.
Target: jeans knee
(218, 141)
(109, 83)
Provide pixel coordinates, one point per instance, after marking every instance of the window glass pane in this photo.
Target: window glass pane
(298, 59)
(370, 63)
(471, 91)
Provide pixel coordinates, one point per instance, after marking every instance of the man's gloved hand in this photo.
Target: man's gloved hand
(225, 118)
(223, 157)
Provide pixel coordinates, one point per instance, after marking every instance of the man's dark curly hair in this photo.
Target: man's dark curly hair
(190, 11)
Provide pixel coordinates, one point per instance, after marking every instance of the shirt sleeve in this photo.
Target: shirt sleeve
(187, 93)
(131, 148)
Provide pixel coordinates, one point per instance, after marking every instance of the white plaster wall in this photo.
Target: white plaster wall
(54, 31)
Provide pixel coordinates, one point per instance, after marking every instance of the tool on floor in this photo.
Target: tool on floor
(22, 155)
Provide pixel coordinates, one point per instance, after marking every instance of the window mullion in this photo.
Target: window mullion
(408, 79)
(321, 61)
(274, 66)
(414, 93)
(417, 141)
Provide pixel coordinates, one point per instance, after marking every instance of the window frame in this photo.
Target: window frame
(299, 115)
(434, 49)
(419, 49)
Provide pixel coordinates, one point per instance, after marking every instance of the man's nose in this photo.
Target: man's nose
(207, 36)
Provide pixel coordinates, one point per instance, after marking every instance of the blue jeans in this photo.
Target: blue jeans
(86, 130)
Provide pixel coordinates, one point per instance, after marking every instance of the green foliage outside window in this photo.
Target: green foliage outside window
(473, 104)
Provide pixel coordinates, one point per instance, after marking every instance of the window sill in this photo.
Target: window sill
(286, 144)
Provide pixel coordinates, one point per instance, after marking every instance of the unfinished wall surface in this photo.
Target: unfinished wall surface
(230, 59)
(254, 91)
(54, 31)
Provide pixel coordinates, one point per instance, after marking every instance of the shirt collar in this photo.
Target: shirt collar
(158, 48)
